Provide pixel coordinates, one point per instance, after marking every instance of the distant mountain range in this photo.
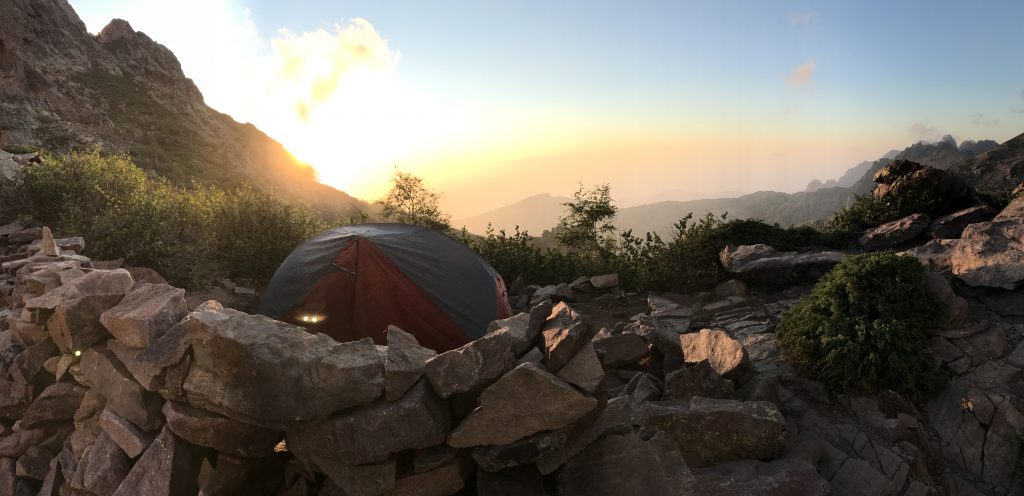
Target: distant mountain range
(990, 162)
(62, 88)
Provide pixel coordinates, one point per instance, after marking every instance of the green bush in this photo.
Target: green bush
(864, 327)
(190, 235)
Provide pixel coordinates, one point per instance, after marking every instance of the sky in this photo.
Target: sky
(492, 101)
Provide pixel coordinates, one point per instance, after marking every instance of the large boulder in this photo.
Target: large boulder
(709, 430)
(762, 264)
(272, 374)
(225, 435)
(907, 179)
(951, 226)
(1014, 209)
(372, 433)
(404, 362)
(527, 400)
(954, 307)
(991, 254)
(726, 355)
(895, 233)
(473, 366)
(934, 254)
(145, 314)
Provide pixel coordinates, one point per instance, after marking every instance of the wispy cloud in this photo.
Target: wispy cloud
(802, 75)
(924, 132)
(979, 119)
(806, 18)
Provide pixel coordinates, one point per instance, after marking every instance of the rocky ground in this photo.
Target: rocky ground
(114, 382)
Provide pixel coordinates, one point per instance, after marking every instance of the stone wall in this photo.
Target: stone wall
(110, 386)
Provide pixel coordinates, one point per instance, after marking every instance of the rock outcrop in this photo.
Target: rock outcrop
(762, 264)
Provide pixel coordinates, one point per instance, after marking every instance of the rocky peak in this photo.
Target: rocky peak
(115, 30)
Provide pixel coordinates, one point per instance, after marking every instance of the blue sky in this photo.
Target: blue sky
(705, 96)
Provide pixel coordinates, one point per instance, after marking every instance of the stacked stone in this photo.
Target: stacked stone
(110, 386)
(581, 290)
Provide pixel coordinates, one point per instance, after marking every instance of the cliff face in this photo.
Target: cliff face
(63, 88)
(998, 171)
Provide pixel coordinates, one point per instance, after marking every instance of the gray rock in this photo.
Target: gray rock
(169, 467)
(606, 281)
(117, 281)
(521, 481)
(132, 440)
(954, 307)
(698, 380)
(57, 403)
(359, 480)
(441, 481)
(895, 233)
(626, 464)
(991, 254)
(857, 478)
(105, 467)
(712, 430)
(523, 333)
(527, 400)
(761, 264)
(934, 254)
(225, 435)
(108, 377)
(784, 477)
(732, 287)
(583, 370)
(373, 433)
(473, 366)
(725, 355)
(952, 226)
(618, 350)
(48, 246)
(145, 314)
(404, 362)
(268, 373)
(1002, 445)
(75, 323)
(563, 334)
(520, 453)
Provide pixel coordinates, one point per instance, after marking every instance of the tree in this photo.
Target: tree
(410, 202)
(587, 223)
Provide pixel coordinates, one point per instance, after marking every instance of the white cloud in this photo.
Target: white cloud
(924, 132)
(802, 75)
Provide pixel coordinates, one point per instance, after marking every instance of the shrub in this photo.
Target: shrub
(864, 327)
(190, 235)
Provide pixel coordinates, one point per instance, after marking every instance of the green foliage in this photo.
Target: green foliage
(188, 234)
(410, 202)
(864, 327)
(587, 224)
(691, 260)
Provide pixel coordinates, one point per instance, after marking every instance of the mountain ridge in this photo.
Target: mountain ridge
(63, 88)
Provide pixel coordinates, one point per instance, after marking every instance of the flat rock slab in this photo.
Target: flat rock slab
(132, 440)
(709, 430)
(57, 403)
(952, 226)
(145, 314)
(373, 433)
(117, 281)
(990, 254)
(762, 264)
(895, 233)
(225, 435)
(527, 400)
(619, 350)
(276, 375)
(726, 355)
(473, 366)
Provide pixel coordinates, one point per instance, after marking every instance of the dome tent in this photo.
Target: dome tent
(353, 281)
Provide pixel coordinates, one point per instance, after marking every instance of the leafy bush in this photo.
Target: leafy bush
(864, 327)
(190, 235)
(691, 258)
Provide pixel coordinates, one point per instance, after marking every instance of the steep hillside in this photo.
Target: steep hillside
(534, 214)
(997, 171)
(62, 88)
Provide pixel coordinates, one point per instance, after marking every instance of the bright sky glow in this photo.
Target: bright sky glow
(491, 102)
